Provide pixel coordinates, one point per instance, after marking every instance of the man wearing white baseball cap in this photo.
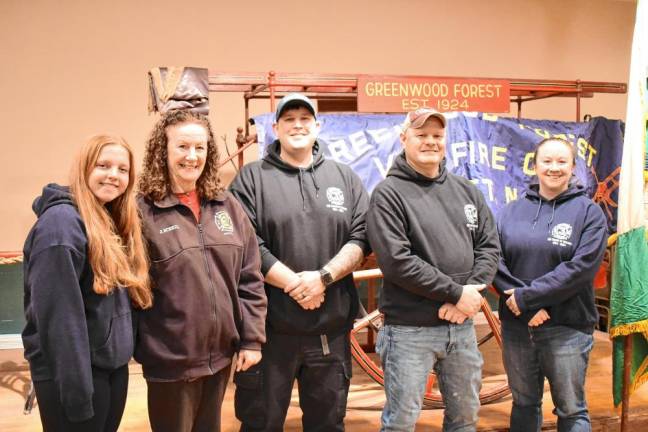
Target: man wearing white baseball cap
(309, 216)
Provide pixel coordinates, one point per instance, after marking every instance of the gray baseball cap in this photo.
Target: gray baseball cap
(293, 100)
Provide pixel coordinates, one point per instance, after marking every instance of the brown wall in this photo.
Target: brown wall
(74, 68)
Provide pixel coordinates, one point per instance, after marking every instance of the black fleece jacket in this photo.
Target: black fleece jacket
(431, 237)
(69, 327)
(303, 217)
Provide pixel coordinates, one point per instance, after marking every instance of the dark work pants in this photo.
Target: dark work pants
(188, 406)
(263, 392)
(108, 402)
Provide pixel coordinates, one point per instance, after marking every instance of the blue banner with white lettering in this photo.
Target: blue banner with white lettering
(494, 152)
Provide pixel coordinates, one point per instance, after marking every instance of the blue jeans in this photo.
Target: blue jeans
(559, 353)
(408, 354)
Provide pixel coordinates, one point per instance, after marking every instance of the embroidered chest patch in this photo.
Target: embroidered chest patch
(471, 216)
(224, 222)
(560, 235)
(335, 197)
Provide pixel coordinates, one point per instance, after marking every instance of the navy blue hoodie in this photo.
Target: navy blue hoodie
(303, 217)
(69, 327)
(551, 251)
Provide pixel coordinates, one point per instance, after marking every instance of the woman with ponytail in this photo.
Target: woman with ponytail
(553, 240)
(85, 267)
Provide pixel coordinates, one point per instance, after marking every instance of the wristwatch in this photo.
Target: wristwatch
(326, 277)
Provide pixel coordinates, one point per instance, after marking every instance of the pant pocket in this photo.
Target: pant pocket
(380, 341)
(343, 389)
(249, 398)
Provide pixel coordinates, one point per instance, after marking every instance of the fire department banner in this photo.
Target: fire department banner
(494, 152)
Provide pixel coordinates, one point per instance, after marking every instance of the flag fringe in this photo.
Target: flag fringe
(626, 329)
(641, 376)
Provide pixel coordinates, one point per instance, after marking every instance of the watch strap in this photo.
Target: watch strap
(327, 278)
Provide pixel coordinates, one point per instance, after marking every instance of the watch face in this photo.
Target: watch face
(327, 279)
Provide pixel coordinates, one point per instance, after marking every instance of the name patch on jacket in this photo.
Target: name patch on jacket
(169, 228)
(224, 222)
(560, 234)
(335, 196)
(471, 216)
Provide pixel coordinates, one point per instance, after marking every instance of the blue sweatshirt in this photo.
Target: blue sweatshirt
(551, 251)
(70, 329)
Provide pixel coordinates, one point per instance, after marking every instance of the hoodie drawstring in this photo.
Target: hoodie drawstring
(317, 188)
(535, 219)
(553, 212)
(301, 185)
(301, 188)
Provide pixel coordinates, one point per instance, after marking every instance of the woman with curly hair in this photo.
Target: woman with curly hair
(84, 264)
(205, 267)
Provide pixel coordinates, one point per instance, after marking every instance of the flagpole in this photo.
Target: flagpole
(627, 365)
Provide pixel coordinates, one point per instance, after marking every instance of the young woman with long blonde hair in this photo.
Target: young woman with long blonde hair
(85, 266)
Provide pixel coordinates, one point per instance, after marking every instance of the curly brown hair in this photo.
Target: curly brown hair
(154, 181)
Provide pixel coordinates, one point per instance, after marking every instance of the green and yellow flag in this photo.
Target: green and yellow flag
(629, 297)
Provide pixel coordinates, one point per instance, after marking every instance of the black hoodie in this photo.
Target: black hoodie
(303, 217)
(69, 327)
(551, 251)
(431, 237)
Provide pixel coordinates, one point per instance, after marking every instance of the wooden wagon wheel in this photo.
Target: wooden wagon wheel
(432, 398)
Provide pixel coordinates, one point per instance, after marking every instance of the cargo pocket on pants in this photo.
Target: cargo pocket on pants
(249, 398)
(343, 389)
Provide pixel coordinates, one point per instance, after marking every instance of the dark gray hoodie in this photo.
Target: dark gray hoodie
(303, 217)
(431, 237)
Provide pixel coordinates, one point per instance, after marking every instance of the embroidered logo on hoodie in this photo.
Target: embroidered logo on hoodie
(336, 199)
(224, 222)
(560, 234)
(471, 216)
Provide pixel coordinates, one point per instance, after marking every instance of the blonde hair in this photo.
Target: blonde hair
(116, 249)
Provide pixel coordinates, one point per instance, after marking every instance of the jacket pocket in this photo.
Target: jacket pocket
(249, 397)
(117, 350)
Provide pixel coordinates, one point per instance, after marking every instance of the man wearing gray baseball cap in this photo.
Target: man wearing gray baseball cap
(437, 246)
(309, 216)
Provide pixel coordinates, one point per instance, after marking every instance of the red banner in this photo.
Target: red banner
(382, 93)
